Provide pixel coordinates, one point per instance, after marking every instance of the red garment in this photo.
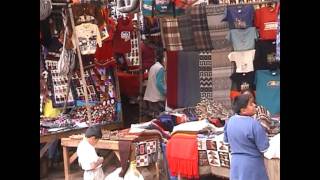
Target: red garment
(147, 55)
(172, 82)
(104, 55)
(266, 22)
(122, 36)
(182, 155)
(129, 83)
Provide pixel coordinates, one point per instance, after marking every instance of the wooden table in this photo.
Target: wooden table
(50, 138)
(112, 145)
(272, 167)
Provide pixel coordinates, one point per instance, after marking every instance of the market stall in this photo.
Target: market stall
(144, 149)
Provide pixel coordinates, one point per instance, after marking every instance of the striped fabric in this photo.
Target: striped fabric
(218, 29)
(171, 34)
(187, 39)
(200, 27)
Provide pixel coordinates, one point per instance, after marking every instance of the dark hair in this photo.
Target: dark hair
(95, 131)
(250, 91)
(240, 102)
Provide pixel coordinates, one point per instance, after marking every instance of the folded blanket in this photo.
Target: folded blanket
(182, 155)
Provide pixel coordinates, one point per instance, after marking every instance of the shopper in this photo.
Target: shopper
(248, 141)
(87, 157)
(156, 88)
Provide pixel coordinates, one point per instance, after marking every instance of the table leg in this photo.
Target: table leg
(66, 163)
(45, 148)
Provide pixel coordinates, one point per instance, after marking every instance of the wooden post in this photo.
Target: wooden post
(84, 83)
(140, 67)
(66, 162)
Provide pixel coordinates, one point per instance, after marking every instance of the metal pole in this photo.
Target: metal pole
(84, 83)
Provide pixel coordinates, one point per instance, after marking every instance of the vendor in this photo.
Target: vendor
(248, 141)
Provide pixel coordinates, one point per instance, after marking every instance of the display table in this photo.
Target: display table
(112, 145)
(272, 167)
(49, 138)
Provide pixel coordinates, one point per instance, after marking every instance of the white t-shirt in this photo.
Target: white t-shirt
(243, 59)
(88, 36)
(86, 154)
(152, 93)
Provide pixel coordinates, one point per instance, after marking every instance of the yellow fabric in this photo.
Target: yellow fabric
(49, 111)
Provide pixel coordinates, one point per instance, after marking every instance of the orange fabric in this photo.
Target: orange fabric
(234, 94)
(182, 155)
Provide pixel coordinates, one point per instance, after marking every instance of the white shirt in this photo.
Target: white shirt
(152, 93)
(86, 154)
(243, 59)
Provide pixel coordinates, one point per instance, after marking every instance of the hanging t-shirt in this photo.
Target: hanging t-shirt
(243, 39)
(122, 36)
(243, 59)
(89, 36)
(266, 22)
(265, 55)
(240, 17)
(242, 81)
(268, 90)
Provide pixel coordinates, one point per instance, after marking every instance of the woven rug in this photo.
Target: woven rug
(222, 69)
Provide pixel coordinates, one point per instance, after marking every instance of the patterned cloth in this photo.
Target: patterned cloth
(208, 109)
(147, 152)
(218, 28)
(171, 35)
(187, 39)
(213, 152)
(200, 27)
(222, 69)
(205, 73)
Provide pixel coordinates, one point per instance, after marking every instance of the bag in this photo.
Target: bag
(45, 9)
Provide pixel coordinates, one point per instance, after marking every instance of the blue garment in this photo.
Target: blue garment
(268, 90)
(160, 82)
(248, 140)
(243, 39)
(240, 17)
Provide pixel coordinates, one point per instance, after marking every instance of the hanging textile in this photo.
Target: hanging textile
(188, 79)
(171, 35)
(200, 27)
(89, 36)
(122, 35)
(222, 69)
(218, 28)
(172, 82)
(205, 73)
(187, 39)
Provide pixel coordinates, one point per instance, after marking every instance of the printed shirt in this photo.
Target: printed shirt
(266, 22)
(243, 59)
(88, 36)
(240, 17)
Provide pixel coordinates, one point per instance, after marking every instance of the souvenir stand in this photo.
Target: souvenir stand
(75, 84)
